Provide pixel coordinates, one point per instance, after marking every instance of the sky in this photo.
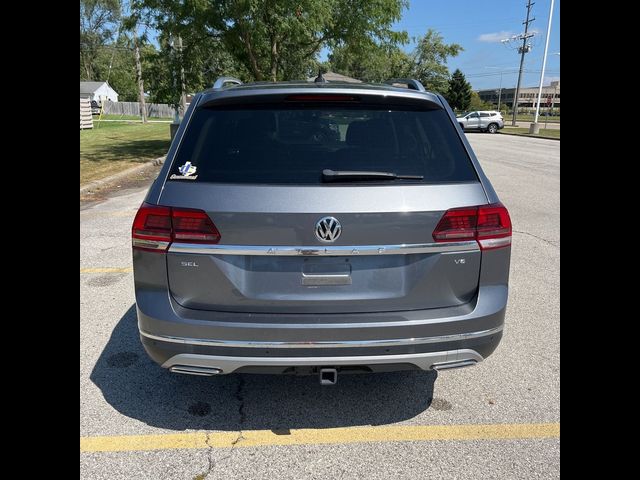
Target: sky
(479, 26)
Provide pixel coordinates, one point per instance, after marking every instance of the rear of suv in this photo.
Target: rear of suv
(319, 228)
(483, 121)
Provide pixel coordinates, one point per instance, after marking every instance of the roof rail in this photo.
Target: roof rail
(220, 82)
(412, 83)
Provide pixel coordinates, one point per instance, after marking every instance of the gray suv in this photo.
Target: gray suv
(483, 121)
(320, 228)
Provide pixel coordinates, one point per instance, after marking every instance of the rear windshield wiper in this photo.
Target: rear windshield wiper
(354, 175)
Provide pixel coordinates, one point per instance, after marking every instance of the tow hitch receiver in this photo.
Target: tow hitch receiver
(328, 376)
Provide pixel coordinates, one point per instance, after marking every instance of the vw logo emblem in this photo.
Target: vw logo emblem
(328, 229)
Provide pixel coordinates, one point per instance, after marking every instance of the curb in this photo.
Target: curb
(530, 136)
(120, 175)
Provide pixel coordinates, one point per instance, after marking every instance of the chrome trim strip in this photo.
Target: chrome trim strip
(152, 244)
(286, 250)
(495, 242)
(322, 343)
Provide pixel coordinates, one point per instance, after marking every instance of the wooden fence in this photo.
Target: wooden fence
(161, 110)
(86, 120)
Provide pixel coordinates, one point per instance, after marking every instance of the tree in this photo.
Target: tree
(430, 61)
(476, 103)
(370, 62)
(98, 23)
(459, 93)
(115, 63)
(274, 38)
(203, 62)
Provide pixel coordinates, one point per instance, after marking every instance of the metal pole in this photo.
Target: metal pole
(544, 63)
(523, 51)
(500, 92)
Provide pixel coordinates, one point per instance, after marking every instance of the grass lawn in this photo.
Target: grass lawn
(549, 132)
(113, 146)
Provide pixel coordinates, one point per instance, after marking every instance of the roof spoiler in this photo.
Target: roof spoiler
(411, 83)
(221, 81)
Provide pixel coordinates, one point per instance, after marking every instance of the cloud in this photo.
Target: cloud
(494, 37)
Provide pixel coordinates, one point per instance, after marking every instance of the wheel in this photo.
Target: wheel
(461, 127)
(492, 128)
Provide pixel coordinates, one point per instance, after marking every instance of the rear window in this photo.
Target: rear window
(294, 145)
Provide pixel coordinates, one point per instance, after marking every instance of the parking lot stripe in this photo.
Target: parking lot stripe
(257, 438)
(106, 270)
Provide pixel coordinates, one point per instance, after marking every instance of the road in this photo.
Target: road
(499, 419)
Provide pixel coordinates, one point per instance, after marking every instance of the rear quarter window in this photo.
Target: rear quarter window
(287, 145)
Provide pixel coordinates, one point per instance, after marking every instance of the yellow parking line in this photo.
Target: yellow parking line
(256, 438)
(106, 270)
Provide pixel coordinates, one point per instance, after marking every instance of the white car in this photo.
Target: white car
(482, 120)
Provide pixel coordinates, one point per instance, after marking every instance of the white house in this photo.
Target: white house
(98, 91)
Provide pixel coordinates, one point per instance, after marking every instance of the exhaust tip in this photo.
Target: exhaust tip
(456, 364)
(194, 370)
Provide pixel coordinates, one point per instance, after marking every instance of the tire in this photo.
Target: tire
(492, 128)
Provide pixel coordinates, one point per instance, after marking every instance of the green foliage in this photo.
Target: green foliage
(121, 76)
(253, 40)
(477, 104)
(98, 25)
(203, 62)
(276, 39)
(430, 61)
(370, 62)
(374, 62)
(459, 93)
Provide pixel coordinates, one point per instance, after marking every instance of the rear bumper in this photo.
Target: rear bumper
(215, 365)
(174, 336)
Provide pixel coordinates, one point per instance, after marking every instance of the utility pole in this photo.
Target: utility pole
(535, 128)
(136, 46)
(522, 50)
(183, 95)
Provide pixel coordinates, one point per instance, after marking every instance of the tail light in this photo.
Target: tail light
(490, 225)
(155, 227)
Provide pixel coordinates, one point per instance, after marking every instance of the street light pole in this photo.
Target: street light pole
(500, 92)
(535, 128)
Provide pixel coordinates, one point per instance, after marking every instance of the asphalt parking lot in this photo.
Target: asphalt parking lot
(499, 419)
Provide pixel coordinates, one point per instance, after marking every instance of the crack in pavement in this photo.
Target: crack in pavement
(212, 463)
(539, 238)
(240, 398)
